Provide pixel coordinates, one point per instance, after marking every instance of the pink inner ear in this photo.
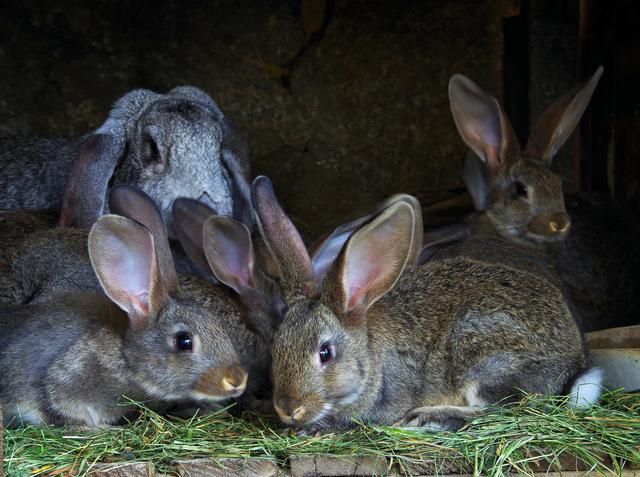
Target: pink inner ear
(123, 256)
(140, 302)
(493, 157)
(359, 277)
(229, 251)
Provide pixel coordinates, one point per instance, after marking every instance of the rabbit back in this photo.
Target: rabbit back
(33, 171)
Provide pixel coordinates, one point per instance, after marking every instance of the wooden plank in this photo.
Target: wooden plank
(337, 466)
(226, 468)
(127, 469)
(621, 367)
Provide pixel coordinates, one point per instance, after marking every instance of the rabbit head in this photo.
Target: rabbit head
(516, 188)
(170, 145)
(223, 247)
(176, 348)
(321, 359)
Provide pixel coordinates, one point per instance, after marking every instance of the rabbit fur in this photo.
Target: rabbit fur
(431, 346)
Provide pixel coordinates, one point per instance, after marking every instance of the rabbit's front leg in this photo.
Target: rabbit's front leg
(439, 418)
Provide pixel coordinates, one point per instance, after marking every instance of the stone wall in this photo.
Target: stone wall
(362, 113)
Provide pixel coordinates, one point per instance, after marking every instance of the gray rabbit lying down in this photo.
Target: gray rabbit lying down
(430, 346)
(524, 221)
(69, 359)
(172, 145)
(521, 197)
(53, 266)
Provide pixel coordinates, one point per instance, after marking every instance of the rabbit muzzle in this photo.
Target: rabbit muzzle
(298, 412)
(218, 384)
(550, 227)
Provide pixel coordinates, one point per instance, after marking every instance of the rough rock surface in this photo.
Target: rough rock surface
(364, 113)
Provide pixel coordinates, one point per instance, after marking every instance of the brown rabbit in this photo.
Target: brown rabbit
(71, 357)
(523, 204)
(223, 248)
(521, 197)
(432, 346)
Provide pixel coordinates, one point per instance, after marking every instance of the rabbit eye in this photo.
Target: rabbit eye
(183, 341)
(326, 353)
(521, 189)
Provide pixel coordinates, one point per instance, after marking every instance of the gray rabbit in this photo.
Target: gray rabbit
(178, 144)
(519, 199)
(53, 261)
(432, 346)
(69, 357)
(524, 221)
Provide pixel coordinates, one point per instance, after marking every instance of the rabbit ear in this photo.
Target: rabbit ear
(482, 123)
(283, 240)
(131, 202)
(439, 238)
(123, 256)
(328, 247)
(560, 119)
(229, 251)
(189, 216)
(87, 184)
(235, 155)
(474, 175)
(372, 261)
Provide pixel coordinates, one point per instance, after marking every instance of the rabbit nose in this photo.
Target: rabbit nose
(290, 412)
(234, 379)
(559, 223)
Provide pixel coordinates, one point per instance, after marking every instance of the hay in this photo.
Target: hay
(495, 443)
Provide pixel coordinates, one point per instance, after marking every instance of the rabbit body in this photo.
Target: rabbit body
(34, 170)
(70, 360)
(379, 340)
(453, 336)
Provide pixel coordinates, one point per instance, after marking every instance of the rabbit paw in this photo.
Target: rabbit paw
(436, 418)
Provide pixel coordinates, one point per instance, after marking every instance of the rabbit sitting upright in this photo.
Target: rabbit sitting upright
(432, 346)
(178, 144)
(69, 357)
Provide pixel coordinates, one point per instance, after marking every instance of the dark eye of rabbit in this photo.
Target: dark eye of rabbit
(183, 341)
(326, 353)
(521, 189)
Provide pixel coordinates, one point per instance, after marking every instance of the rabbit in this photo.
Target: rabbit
(525, 222)
(177, 144)
(37, 276)
(227, 253)
(521, 197)
(69, 358)
(431, 347)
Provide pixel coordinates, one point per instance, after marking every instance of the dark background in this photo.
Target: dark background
(344, 102)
